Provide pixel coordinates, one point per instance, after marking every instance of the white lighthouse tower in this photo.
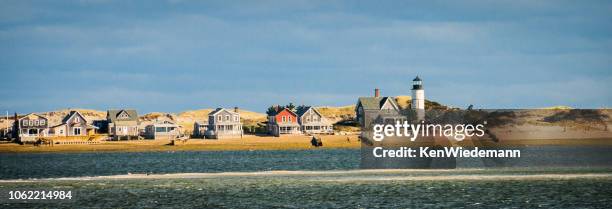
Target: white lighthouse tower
(418, 98)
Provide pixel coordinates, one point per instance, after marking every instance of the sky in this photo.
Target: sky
(173, 56)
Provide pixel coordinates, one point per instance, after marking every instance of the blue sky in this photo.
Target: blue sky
(173, 56)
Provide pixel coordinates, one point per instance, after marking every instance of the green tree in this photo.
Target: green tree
(290, 106)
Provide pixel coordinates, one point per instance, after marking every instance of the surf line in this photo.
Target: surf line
(427, 152)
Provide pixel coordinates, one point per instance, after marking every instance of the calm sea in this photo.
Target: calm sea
(292, 179)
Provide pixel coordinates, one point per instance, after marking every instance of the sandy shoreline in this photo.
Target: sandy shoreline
(245, 143)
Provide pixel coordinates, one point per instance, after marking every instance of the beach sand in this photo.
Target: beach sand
(248, 142)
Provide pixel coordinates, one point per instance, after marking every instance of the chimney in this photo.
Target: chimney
(376, 92)
(235, 109)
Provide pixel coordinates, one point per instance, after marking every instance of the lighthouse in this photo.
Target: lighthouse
(418, 98)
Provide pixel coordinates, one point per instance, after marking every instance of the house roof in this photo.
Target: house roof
(301, 112)
(417, 79)
(305, 110)
(112, 115)
(71, 114)
(281, 110)
(164, 123)
(25, 116)
(218, 110)
(375, 103)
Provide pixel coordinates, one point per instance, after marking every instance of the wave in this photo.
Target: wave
(343, 175)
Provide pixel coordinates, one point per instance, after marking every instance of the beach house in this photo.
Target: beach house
(312, 121)
(30, 127)
(199, 128)
(223, 123)
(122, 124)
(74, 124)
(283, 121)
(162, 129)
(377, 109)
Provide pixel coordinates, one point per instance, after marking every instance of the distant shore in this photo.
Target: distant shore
(254, 143)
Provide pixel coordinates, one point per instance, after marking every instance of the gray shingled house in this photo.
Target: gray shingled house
(223, 123)
(162, 129)
(30, 127)
(312, 121)
(122, 124)
(377, 109)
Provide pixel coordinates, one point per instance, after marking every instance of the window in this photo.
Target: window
(284, 119)
(32, 131)
(219, 118)
(25, 122)
(35, 122)
(123, 115)
(227, 118)
(289, 118)
(61, 131)
(42, 122)
(160, 129)
(77, 120)
(236, 118)
(76, 130)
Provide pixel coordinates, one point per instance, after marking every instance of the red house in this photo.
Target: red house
(283, 121)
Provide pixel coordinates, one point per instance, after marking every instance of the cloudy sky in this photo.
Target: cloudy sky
(179, 55)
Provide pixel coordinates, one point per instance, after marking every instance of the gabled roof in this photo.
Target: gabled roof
(391, 100)
(218, 110)
(301, 112)
(305, 110)
(72, 114)
(25, 116)
(112, 115)
(164, 123)
(281, 110)
(375, 103)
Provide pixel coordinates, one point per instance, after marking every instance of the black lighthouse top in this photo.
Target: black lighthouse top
(417, 83)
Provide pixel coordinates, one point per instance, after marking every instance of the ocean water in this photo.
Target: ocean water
(292, 179)
(52, 165)
(341, 189)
